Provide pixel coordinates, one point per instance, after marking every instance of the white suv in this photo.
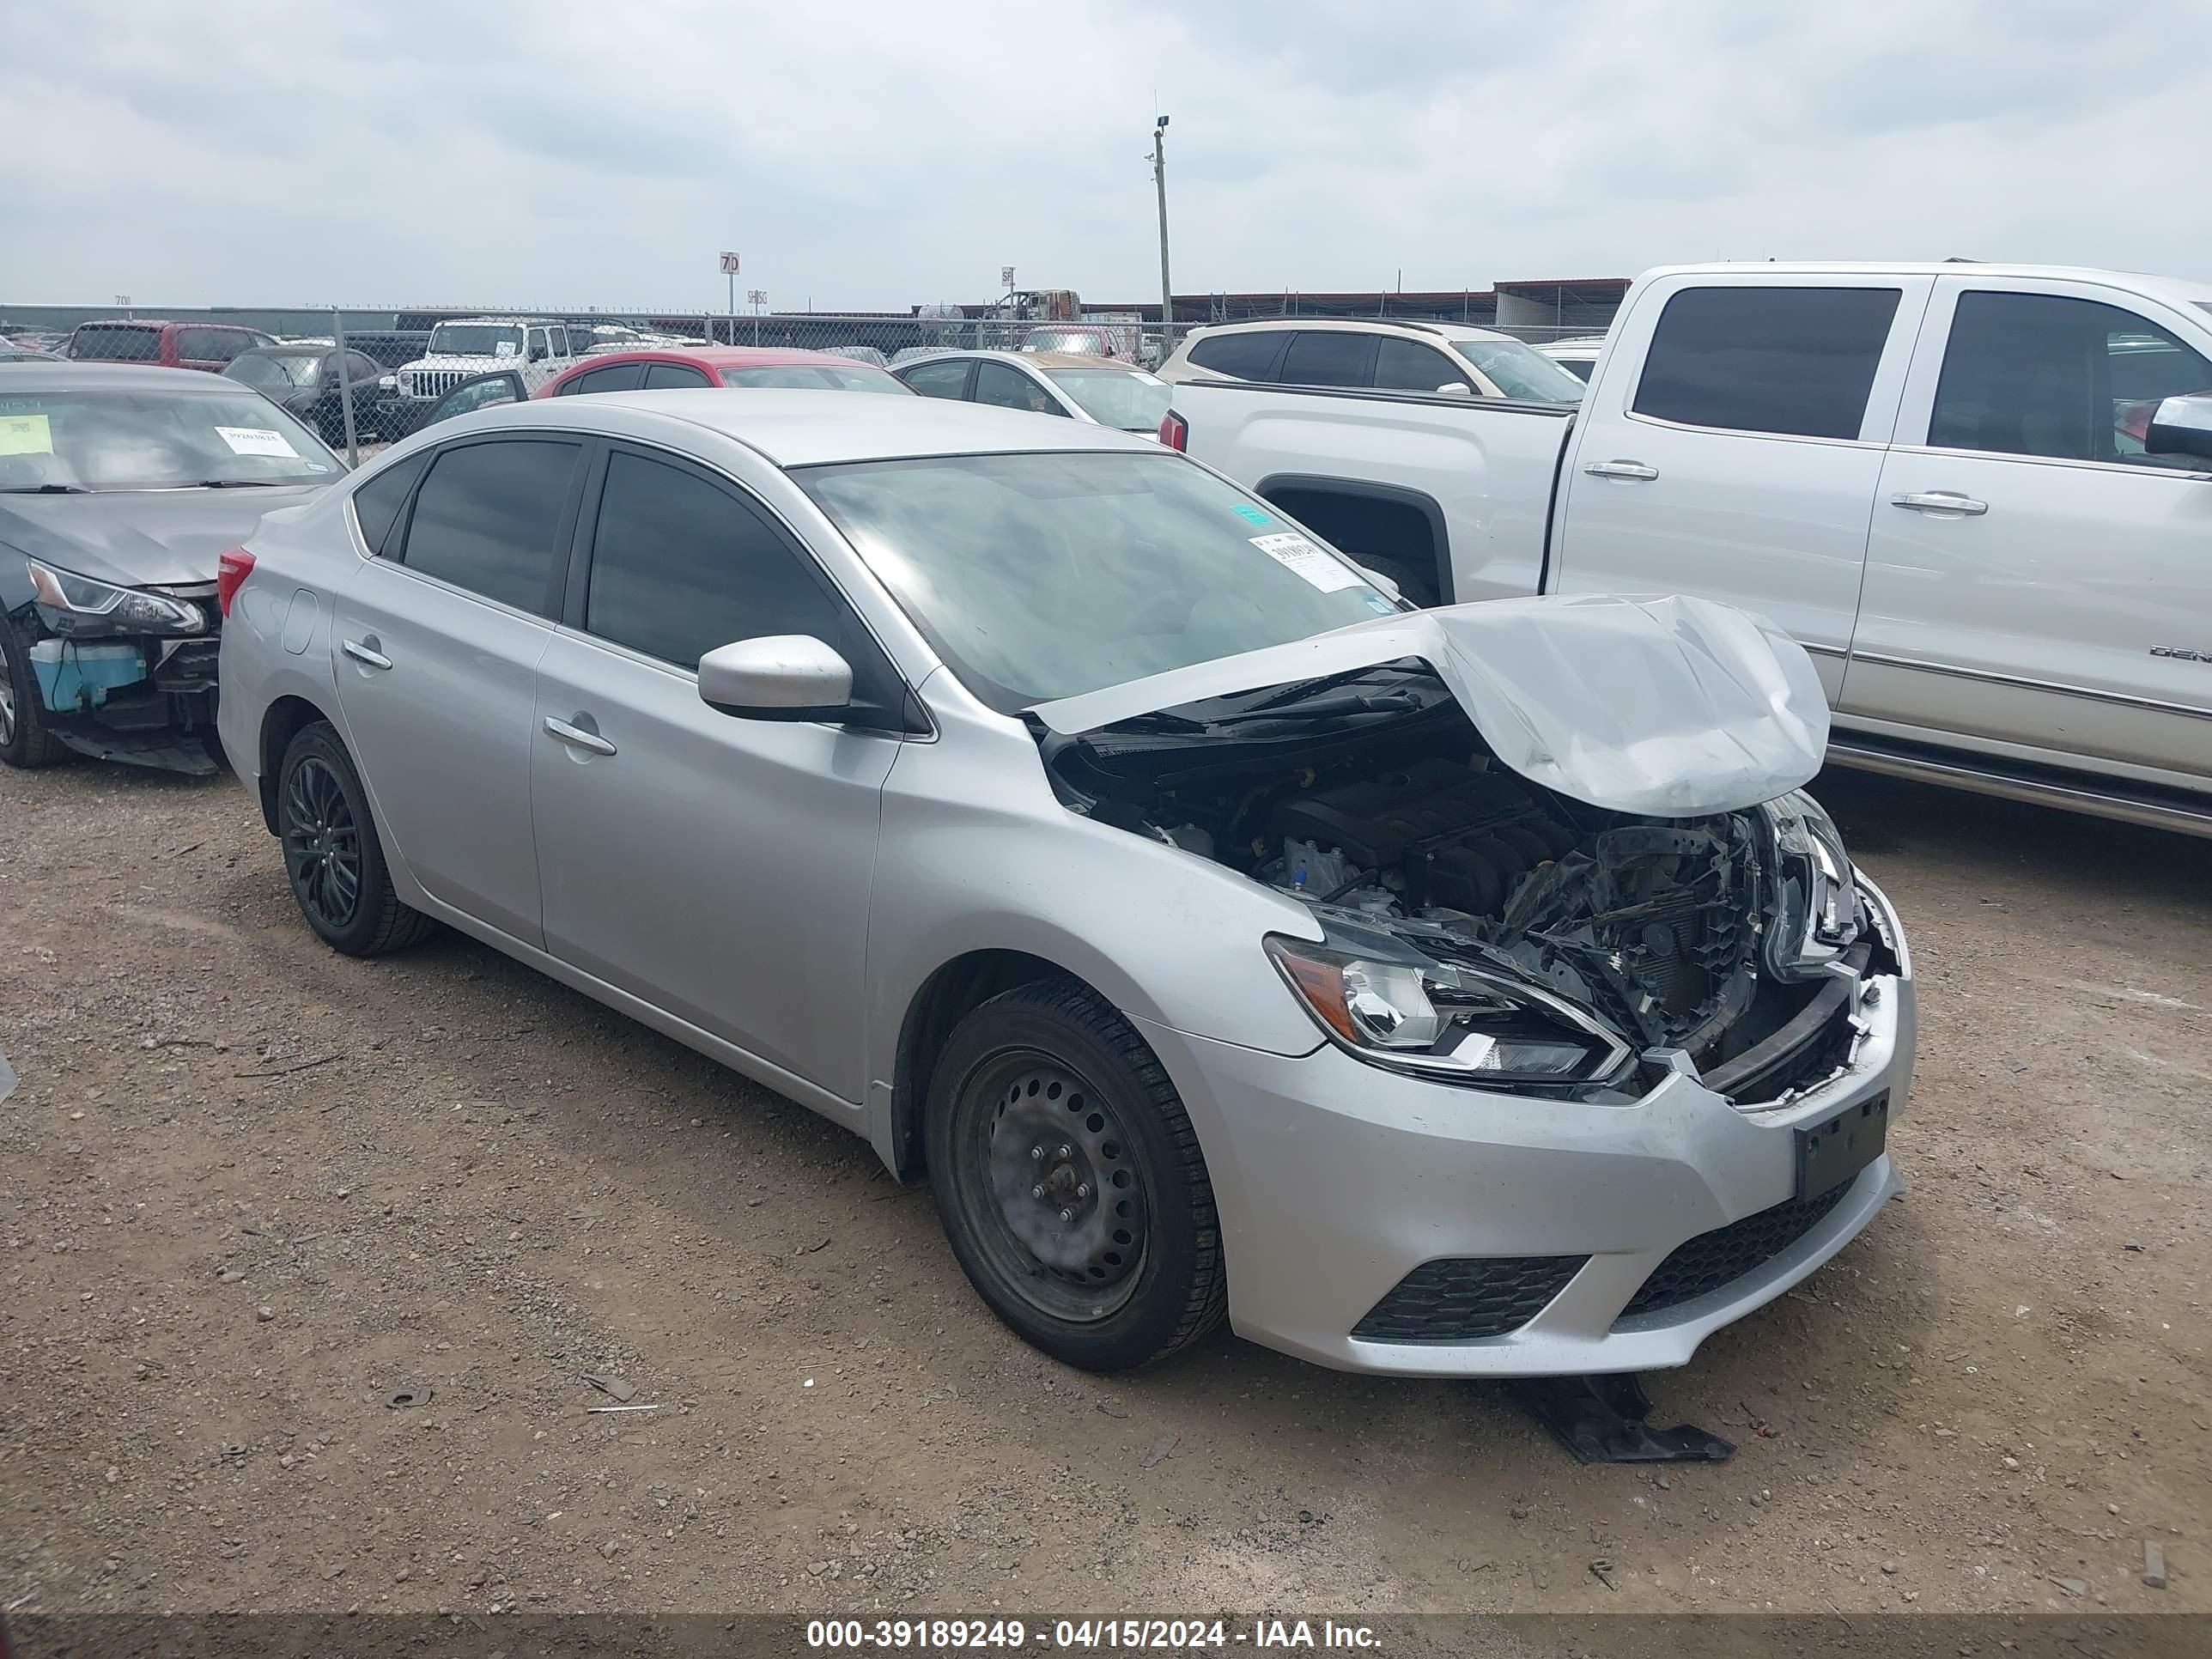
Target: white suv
(537, 348)
(1394, 356)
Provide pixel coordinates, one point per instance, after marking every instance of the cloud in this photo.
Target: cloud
(878, 155)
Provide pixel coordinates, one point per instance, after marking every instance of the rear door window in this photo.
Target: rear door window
(376, 504)
(615, 377)
(211, 345)
(1403, 365)
(1798, 361)
(937, 379)
(487, 516)
(1329, 358)
(1009, 388)
(672, 377)
(1249, 355)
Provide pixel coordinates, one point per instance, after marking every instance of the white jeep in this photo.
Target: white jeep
(537, 347)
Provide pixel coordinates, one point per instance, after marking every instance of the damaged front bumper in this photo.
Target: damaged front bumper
(146, 700)
(1376, 1222)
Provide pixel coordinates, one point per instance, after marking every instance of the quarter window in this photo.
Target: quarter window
(1329, 358)
(1799, 361)
(680, 565)
(2046, 375)
(1248, 355)
(487, 517)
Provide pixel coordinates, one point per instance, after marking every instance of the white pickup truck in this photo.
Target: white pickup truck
(1979, 495)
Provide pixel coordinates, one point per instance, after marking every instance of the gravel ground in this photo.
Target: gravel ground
(249, 1190)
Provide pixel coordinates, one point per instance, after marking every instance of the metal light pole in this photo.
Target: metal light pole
(1160, 181)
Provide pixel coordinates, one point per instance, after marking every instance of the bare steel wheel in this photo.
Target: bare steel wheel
(1070, 1181)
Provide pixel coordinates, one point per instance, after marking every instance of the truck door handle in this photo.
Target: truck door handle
(1941, 501)
(364, 651)
(576, 738)
(1634, 470)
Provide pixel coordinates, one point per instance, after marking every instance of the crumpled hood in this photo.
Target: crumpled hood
(1669, 707)
(138, 537)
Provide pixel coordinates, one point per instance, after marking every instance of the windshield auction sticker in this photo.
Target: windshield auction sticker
(26, 434)
(256, 440)
(1307, 559)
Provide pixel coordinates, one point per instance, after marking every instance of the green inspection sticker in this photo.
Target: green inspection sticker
(1250, 514)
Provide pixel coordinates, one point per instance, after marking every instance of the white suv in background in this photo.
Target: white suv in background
(537, 348)
(1392, 355)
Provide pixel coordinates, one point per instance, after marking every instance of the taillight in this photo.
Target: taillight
(231, 571)
(1175, 431)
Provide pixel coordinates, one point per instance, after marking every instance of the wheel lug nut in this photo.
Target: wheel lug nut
(1037, 1191)
(1036, 1152)
(1067, 1215)
(1064, 1151)
(1083, 1190)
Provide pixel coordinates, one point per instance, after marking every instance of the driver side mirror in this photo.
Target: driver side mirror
(1456, 389)
(2181, 426)
(777, 676)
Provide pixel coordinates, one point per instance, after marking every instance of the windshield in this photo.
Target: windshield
(1042, 576)
(475, 340)
(1126, 397)
(91, 440)
(301, 369)
(815, 376)
(1518, 371)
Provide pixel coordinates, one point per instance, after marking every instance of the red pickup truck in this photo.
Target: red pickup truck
(210, 346)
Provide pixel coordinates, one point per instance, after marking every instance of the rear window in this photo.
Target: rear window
(1799, 361)
(115, 342)
(1249, 356)
(817, 377)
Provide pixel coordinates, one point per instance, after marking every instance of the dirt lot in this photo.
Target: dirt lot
(249, 1189)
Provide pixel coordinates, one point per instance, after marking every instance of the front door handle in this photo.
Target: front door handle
(1941, 501)
(1634, 470)
(576, 738)
(364, 651)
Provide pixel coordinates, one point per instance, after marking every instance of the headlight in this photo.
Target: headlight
(78, 605)
(1816, 903)
(387, 383)
(1445, 1020)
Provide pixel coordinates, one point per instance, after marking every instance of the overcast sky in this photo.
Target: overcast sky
(878, 152)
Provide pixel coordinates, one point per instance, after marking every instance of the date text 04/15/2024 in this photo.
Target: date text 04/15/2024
(1125, 1635)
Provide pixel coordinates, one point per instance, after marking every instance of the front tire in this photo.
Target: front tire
(1070, 1182)
(333, 857)
(25, 739)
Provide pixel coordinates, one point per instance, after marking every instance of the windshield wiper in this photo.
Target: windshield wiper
(43, 489)
(1303, 689)
(233, 483)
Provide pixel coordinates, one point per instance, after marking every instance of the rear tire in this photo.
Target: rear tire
(25, 739)
(333, 857)
(1070, 1182)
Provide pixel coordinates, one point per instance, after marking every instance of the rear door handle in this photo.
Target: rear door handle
(365, 651)
(576, 738)
(1941, 501)
(1634, 470)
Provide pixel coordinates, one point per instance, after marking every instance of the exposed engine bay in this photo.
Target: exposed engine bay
(1385, 812)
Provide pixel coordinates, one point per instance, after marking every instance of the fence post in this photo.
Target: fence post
(345, 388)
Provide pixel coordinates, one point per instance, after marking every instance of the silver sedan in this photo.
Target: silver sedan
(1450, 993)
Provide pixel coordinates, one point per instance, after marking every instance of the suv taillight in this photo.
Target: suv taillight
(231, 570)
(1175, 431)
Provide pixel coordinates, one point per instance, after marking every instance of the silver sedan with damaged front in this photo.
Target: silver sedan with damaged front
(1466, 992)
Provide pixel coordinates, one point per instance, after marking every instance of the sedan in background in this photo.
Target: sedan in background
(304, 380)
(688, 368)
(1455, 993)
(11, 352)
(119, 489)
(1086, 388)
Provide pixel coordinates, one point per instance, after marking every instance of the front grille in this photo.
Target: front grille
(1459, 1299)
(432, 382)
(1725, 1255)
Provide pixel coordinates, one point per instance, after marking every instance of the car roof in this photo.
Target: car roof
(534, 322)
(2167, 288)
(722, 357)
(1034, 359)
(1417, 327)
(808, 429)
(67, 376)
(288, 348)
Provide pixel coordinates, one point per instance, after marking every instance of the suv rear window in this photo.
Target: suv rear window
(117, 343)
(1249, 356)
(1799, 361)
